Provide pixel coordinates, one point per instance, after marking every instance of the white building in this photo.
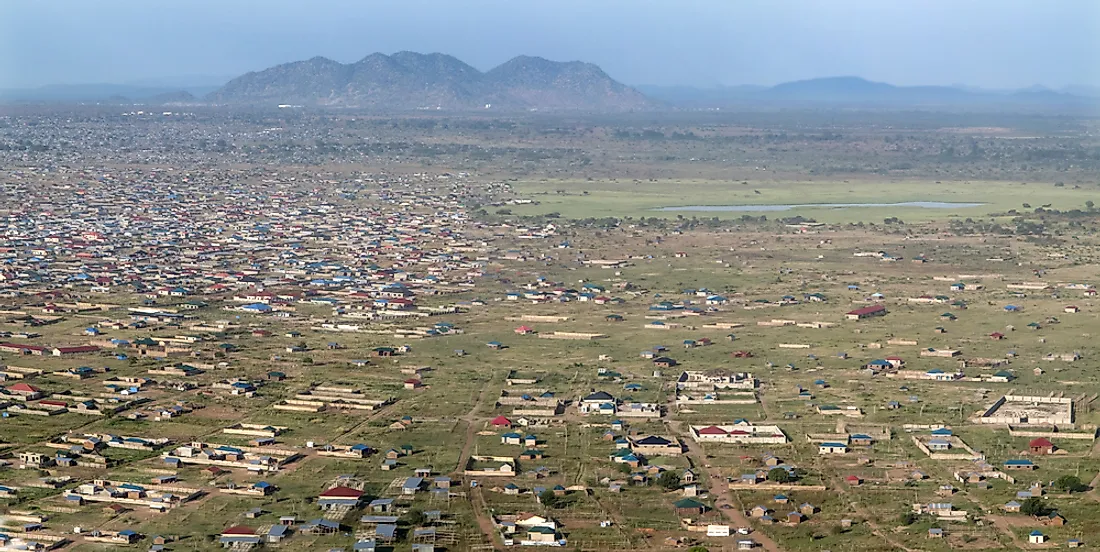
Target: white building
(740, 432)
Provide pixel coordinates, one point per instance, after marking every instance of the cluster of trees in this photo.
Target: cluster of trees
(1070, 484)
(555, 502)
(668, 480)
(1034, 506)
(780, 475)
(650, 134)
(24, 145)
(1023, 227)
(797, 219)
(680, 223)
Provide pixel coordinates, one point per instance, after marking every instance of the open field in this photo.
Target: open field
(643, 199)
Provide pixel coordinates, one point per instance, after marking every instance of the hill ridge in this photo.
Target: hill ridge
(855, 91)
(412, 80)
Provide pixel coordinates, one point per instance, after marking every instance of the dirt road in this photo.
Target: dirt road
(483, 521)
(477, 501)
(720, 490)
(470, 419)
(862, 512)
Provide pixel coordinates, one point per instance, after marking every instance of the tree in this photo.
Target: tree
(415, 516)
(1070, 484)
(1033, 506)
(669, 480)
(625, 468)
(1090, 204)
(548, 498)
(779, 475)
(698, 548)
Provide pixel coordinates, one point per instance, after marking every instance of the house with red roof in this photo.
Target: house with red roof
(79, 350)
(265, 297)
(741, 432)
(712, 430)
(239, 536)
(339, 497)
(26, 391)
(524, 330)
(399, 303)
(22, 349)
(501, 421)
(866, 312)
(1041, 445)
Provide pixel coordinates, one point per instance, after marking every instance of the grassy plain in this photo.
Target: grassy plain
(635, 198)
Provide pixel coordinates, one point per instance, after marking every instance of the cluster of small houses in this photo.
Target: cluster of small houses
(120, 394)
(544, 293)
(86, 246)
(53, 267)
(378, 525)
(633, 451)
(166, 492)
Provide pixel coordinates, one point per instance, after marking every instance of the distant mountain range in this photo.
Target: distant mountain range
(113, 93)
(411, 81)
(408, 80)
(859, 92)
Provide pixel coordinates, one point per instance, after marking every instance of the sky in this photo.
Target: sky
(984, 43)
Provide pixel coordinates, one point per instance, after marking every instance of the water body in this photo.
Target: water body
(777, 207)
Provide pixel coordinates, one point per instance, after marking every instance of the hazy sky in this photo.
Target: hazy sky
(989, 43)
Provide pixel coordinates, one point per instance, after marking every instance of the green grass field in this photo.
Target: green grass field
(641, 199)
